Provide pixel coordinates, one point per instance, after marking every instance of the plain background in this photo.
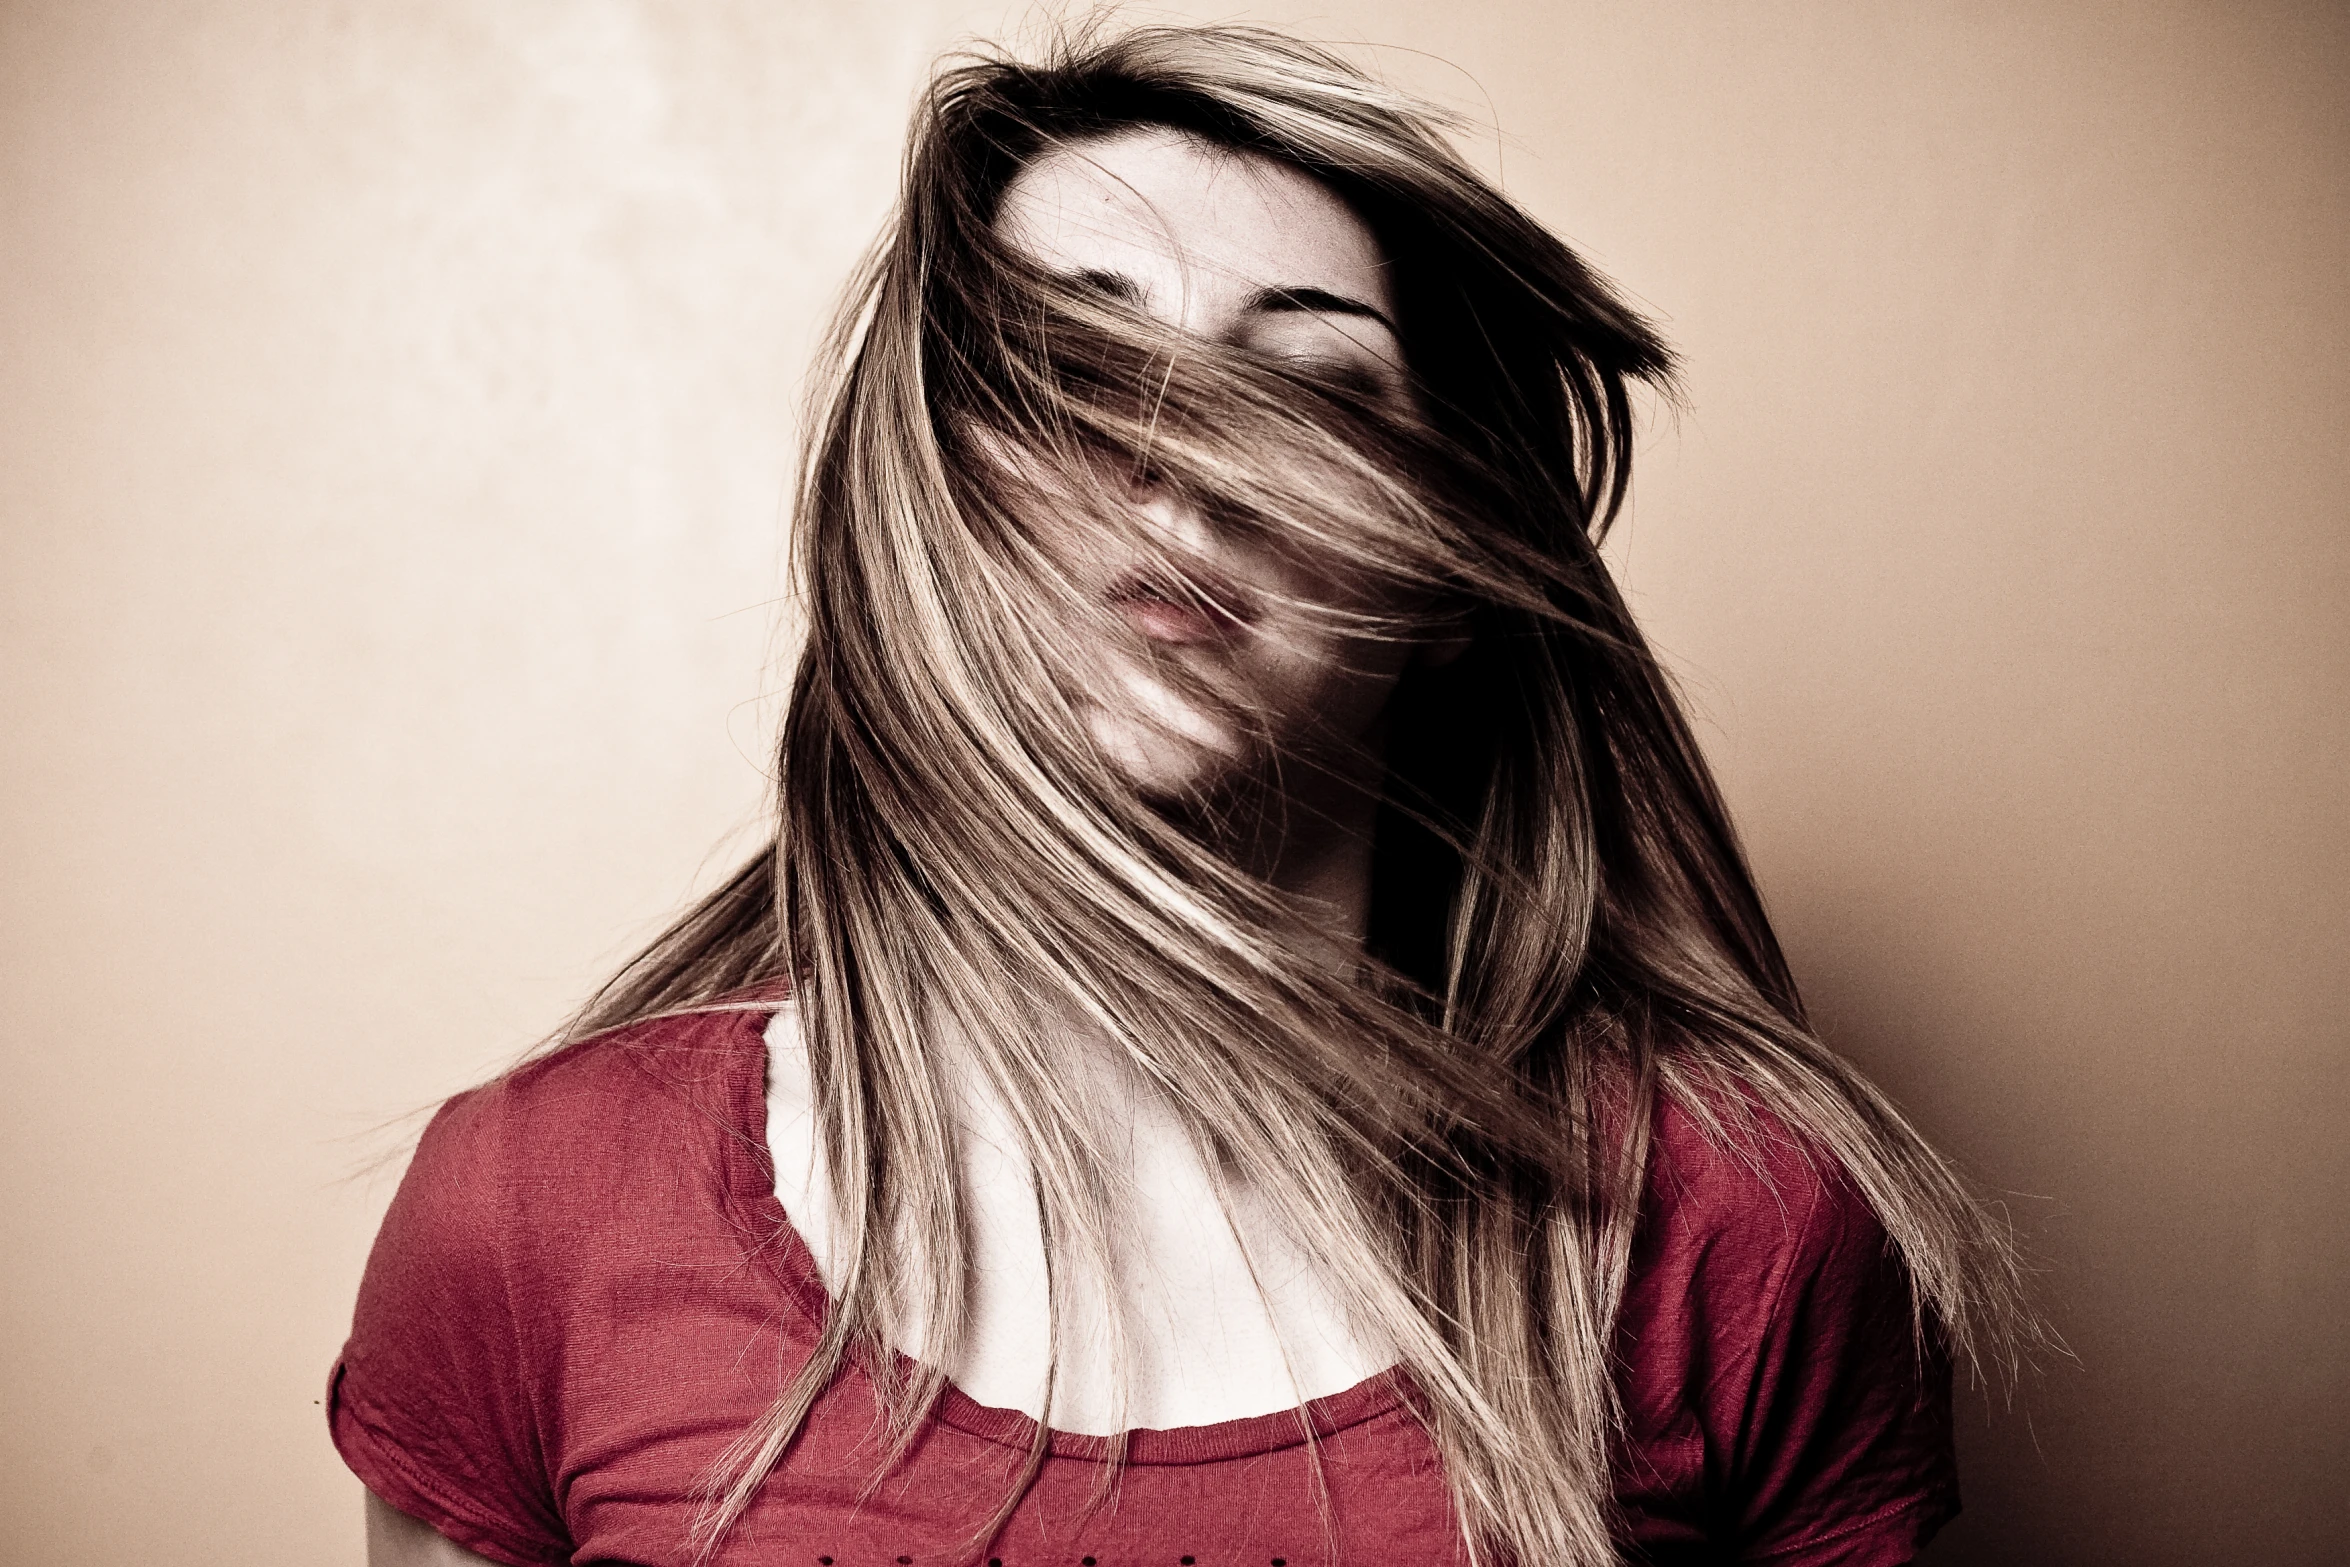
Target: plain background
(397, 400)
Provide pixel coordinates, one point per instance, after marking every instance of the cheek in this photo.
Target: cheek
(1328, 690)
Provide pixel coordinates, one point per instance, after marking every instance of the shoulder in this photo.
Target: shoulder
(693, 1059)
(1733, 1189)
(587, 1134)
(559, 1229)
(682, 1074)
(1752, 1242)
(1779, 1394)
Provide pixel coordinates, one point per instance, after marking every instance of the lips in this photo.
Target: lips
(1181, 611)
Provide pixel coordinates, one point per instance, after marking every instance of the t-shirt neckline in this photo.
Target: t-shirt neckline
(750, 1182)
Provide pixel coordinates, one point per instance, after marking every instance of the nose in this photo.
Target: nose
(1165, 509)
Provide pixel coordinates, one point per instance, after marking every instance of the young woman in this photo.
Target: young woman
(1253, 1041)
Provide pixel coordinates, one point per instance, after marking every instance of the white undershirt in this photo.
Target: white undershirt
(1203, 1344)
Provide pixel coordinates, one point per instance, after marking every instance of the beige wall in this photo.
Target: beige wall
(395, 408)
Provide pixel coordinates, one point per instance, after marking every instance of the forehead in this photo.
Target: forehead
(1169, 211)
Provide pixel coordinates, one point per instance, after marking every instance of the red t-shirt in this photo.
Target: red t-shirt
(586, 1289)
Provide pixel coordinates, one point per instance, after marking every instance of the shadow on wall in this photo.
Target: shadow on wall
(2180, 1320)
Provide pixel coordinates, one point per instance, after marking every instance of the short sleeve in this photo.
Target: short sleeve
(432, 1402)
(1780, 1406)
(1846, 1453)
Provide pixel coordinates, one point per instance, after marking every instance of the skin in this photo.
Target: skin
(1226, 1319)
(396, 1540)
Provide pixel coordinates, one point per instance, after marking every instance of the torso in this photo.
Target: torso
(1207, 1340)
(587, 1291)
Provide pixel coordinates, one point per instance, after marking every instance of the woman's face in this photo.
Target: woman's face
(1252, 254)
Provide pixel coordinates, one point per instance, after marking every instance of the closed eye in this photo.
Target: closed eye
(1317, 301)
(1343, 343)
(1355, 380)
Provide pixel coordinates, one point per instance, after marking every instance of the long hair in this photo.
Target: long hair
(1563, 927)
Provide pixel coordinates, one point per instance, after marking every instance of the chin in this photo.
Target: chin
(1166, 747)
(1167, 766)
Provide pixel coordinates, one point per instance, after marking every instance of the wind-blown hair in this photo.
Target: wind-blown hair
(1562, 924)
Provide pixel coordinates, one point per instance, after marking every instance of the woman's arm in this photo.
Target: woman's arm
(396, 1540)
